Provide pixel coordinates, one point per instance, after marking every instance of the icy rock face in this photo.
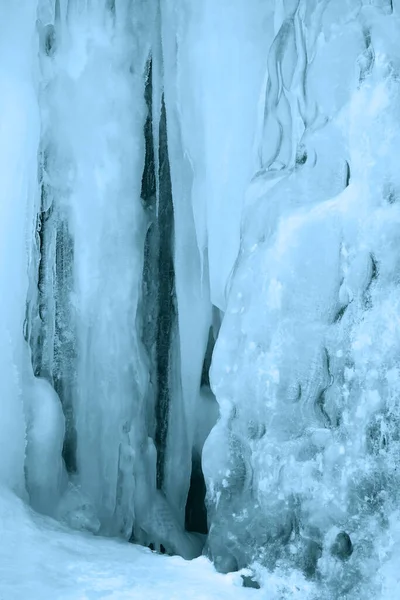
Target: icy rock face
(305, 368)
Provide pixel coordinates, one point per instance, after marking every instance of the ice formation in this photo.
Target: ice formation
(199, 270)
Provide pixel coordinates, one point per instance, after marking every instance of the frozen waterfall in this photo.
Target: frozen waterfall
(200, 307)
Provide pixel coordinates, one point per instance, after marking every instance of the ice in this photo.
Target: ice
(19, 136)
(199, 309)
(217, 99)
(46, 477)
(76, 510)
(191, 281)
(304, 386)
(94, 178)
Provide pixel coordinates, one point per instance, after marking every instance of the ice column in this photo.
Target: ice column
(19, 138)
(93, 63)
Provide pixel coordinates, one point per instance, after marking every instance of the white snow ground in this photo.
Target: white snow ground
(42, 560)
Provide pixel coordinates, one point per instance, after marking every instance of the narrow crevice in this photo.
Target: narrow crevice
(347, 175)
(149, 297)
(340, 313)
(196, 511)
(367, 297)
(64, 339)
(167, 313)
(158, 286)
(39, 326)
(205, 373)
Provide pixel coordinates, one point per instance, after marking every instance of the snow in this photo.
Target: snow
(41, 560)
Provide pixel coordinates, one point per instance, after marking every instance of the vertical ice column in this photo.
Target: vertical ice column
(192, 289)
(221, 58)
(19, 138)
(50, 318)
(97, 104)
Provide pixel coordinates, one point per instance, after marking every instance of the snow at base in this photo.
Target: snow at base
(41, 560)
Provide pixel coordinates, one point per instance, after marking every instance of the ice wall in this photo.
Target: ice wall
(101, 311)
(305, 369)
(19, 135)
(93, 61)
(183, 175)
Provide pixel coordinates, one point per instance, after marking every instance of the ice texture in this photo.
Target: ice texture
(46, 477)
(101, 314)
(305, 368)
(193, 184)
(19, 135)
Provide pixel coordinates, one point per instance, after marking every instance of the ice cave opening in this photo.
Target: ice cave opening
(199, 270)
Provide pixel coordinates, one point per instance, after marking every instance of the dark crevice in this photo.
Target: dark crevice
(148, 191)
(64, 340)
(366, 60)
(347, 175)
(39, 335)
(166, 298)
(196, 512)
(149, 302)
(250, 582)
(47, 39)
(159, 304)
(321, 400)
(205, 373)
(301, 155)
(373, 277)
(340, 313)
(49, 320)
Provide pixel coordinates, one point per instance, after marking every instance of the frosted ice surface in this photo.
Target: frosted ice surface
(174, 177)
(217, 85)
(19, 132)
(46, 477)
(306, 384)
